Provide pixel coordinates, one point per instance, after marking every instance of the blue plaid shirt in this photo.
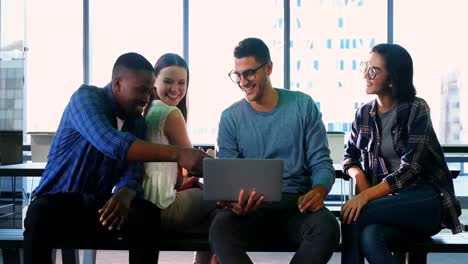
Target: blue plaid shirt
(88, 153)
(415, 141)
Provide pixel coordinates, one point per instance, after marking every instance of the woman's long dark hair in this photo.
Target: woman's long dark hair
(168, 60)
(400, 70)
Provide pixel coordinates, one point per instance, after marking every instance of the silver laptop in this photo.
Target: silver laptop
(223, 178)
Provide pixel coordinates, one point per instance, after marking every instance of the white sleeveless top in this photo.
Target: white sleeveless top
(160, 177)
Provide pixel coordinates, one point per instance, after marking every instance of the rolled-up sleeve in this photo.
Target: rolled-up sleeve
(132, 178)
(90, 116)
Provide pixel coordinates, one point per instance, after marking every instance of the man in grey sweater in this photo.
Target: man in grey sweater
(275, 123)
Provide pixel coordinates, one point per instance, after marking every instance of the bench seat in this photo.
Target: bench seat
(11, 240)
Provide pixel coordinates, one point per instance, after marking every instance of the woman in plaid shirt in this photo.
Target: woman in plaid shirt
(405, 189)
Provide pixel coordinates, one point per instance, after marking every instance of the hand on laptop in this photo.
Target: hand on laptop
(313, 200)
(209, 151)
(244, 206)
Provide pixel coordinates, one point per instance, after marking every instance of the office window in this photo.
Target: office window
(343, 32)
(11, 65)
(213, 36)
(437, 45)
(148, 27)
(54, 61)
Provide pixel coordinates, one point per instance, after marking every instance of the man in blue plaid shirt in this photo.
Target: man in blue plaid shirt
(90, 191)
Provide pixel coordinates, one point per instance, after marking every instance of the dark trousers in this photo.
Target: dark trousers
(72, 218)
(415, 213)
(315, 234)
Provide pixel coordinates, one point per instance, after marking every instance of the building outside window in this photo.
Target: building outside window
(148, 27)
(437, 43)
(329, 39)
(211, 45)
(11, 65)
(54, 65)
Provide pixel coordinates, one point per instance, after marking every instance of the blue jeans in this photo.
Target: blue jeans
(414, 213)
(315, 234)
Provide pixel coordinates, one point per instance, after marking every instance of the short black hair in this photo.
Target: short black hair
(130, 61)
(399, 65)
(252, 47)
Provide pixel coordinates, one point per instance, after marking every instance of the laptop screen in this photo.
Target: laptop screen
(223, 178)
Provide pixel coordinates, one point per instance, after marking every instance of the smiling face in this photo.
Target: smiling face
(254, 90)
(132, 92)
(171, 85)
(380, 85)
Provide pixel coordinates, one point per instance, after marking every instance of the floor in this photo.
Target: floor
(182, 257)
(179, 257)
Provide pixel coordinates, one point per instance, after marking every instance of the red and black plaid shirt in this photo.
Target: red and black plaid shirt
(415, 141)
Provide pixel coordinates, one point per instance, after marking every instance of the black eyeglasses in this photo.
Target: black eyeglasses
(370, 70)
(248, 74)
